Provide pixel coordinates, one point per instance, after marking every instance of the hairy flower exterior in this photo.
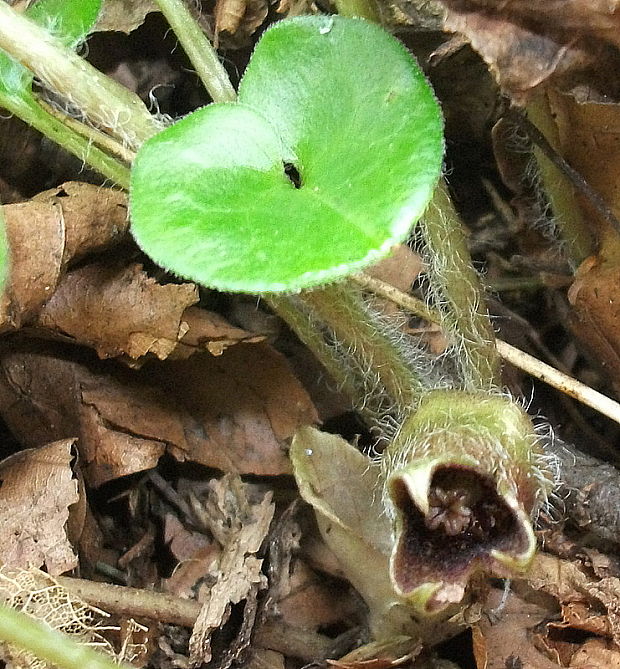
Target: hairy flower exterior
(462, 480)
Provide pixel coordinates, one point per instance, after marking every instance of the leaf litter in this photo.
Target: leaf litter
(112, 373)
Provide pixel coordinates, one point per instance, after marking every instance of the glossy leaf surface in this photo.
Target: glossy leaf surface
(330, 156)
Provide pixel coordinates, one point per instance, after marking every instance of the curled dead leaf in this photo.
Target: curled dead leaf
(124, 15)
(527, 44)
(572, 583)
(595, 298)
(239, 18)
(38, 487)
(509, 641)
(64, 220)
(118, 309)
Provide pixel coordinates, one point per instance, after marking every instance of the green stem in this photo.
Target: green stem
(28, 110)
(558, 188)
(49, 645)
(366, 9)
(102, 100)
(457, 284)
(376, 347)
(304, 326)
(99, 139)
(199, 50)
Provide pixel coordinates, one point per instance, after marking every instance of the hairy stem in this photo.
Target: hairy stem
(94, 136)
(558, 188)
(376, 349)
(302, 324)
(49, 645)
(102, 100)
(199, 50)
(455, 281)
(28, 110)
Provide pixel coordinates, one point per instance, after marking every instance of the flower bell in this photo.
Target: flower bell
(461, 482)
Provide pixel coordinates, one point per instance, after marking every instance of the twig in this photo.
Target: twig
(553, 377)
(167, 608)
(514, 356)
(134, 602)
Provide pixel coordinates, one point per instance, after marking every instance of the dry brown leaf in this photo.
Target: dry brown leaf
(249, 405)
(596, 654)
(239, 18)
(580, 616)
(207, 330)
(190, 572)
(400, 269)
(242, 529)
(116, 309)
(527, 43)
(235, 412)
(599, 17)
(124, 15)
(119, 309)
(313, 602)
(570, 583)
(262, 658)
(70, 222)
(92, 547)
(182, 542)
(507, 642)
(595, 319)
(38, 487)
(589, 135)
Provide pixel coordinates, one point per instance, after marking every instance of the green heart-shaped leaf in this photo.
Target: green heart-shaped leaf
(69, 20)
(342, 102)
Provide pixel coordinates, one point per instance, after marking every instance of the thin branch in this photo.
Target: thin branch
(566, 384)
(524, 361)
(134, 602)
